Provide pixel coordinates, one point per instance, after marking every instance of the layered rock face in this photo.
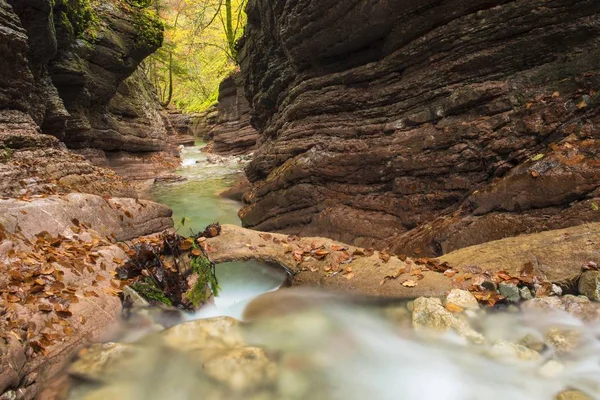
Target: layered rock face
(63, 77)
(423, 126)
(232, 133)
(107, 110)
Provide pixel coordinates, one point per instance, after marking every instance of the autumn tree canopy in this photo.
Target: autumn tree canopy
(198, 52)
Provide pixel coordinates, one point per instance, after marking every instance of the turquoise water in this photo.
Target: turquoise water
(198, 201)
(239, 283)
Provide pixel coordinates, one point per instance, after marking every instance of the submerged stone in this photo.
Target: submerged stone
(462, 298)
(428, 313)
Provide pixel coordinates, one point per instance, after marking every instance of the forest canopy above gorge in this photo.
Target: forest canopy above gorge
(198, 51)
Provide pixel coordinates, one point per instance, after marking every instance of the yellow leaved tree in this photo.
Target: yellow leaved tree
(198, 51)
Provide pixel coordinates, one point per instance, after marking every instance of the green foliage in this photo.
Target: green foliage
(202, 266)
(76, 15)
(198, 51)
(148, 290)
(149, 29)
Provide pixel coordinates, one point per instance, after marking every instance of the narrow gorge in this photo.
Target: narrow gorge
(300, 199)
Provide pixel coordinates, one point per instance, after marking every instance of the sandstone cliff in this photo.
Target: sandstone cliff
(423, 126)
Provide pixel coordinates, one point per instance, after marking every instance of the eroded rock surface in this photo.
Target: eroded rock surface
(440, 125)
(317, 261)
(232, 133)
(57, 259)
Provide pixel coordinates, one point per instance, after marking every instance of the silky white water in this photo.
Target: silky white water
(331, 348)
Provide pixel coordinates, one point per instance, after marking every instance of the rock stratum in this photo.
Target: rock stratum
(423, 126)
(69, 82)
(232, 133)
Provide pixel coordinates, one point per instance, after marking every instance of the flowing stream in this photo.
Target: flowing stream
(327, 347)
(197, 203)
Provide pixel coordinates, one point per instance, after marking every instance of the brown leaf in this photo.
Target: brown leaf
(45, 307)
(336, 247)
(545, 290)
(348, 276)
(409, 283)
(450, 273)
(454, 308)
(196, 252)
(320, 254)
(186, 244)
(385, 257)
(298, 255)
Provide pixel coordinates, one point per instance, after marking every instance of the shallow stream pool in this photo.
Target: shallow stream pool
(197, 200)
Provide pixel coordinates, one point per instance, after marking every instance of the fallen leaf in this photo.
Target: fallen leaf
(196, 252)
(409, 283)
(450, 273)
(186, 244)
(454, 308)
(385, 257)
(335, 247)
(348, 276)
(537, 157)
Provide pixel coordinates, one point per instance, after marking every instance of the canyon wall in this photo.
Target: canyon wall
(71, 66)
(67, 81)
(232, 133)
(423, 126)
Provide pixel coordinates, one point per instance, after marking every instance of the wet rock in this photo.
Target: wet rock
(573, 395)
(525, 293)
(355, 150)
(556, 256)
(551, 369)
(121, 218)
(510, 291)
(506, 350)
(462, 298)
(578, 306)
(170, 178)
(237, 191)
(242, 370)
(213, 333)
(101, 362)
(562, 340)
(338, 267)
(589, 285)
(134, 297)
(428, 313)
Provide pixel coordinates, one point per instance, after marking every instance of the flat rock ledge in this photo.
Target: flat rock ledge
(58, 255)
(559, 256)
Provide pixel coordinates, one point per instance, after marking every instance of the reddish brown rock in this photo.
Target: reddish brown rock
(418, 125)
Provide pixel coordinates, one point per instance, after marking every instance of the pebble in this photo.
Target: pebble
(510, 291)
(525, 293)
(462, 298)
(589, 285)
